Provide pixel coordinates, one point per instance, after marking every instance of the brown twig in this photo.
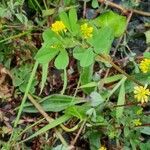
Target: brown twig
(107, 59)
(124, 10)
(75, 139)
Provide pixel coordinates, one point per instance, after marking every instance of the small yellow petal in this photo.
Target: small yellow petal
(58, 26)
(141, 94)
(145, 65)
(86, 31)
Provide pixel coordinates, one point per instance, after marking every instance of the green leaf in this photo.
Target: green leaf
(54, 103)
(95, 4)
(143, 78)
(147, 34)
(102, 40)
(44, 75)
(147, 55)
(46, 54)
(113, 20)
(89, 85)
(65, 19)
(77, 111)
(48, 12)
(94, 139)
(116, 86)
(96, 99)
(145, 130)
(85, 56)
(62, 60)
(86, 74)
(48, 36)
(73, 20)
(121, 100)
(51, 125)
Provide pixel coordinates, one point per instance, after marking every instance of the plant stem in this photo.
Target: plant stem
(23, 101)
(14, 36)
(26, 94)
(103, 57)
(65, 82)
(79, 132)
(124, 10)
(37, 3)
(45, 5)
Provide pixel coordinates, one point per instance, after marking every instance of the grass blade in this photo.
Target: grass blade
(51, 125)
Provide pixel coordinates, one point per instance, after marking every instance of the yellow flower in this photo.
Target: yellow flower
(86, 31)
(145, 65)
(58, 26)
(141, 94)
(102, 148)
(137, 122)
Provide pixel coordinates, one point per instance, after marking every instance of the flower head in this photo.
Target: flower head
(141, 94)
(86, 30)
(102, 148)
(137, 122)
(145, 65)
(58, 26)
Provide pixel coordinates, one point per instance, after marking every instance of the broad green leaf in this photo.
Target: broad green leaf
(78, 52)
(89, 85)
(111, 79)
(62, 60)
(85, 56)
(96, 99)
(147, 34)
(48, 12)
(147, 55)
(46, 54)
(95, 4)
(86, 74)
(121, 100)
(94, 139)
(102, 40)
(44, 75)
(113, 20)
(77, 111)
(145, 130)
(48, 36)
(73, 20)
(51, 125)
(54, 103)
(65, 19)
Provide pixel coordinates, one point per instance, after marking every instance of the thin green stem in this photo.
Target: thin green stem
(45, 5)
(26, 93)
(102, 57)
(14, 36)
(27, 128)
(37, 3)
(65, 82)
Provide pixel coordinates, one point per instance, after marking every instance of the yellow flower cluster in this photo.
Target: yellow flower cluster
(145, 65)
(141, 94)
(137, 122)
(102, 148)
(58, 26)
(86, 31)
